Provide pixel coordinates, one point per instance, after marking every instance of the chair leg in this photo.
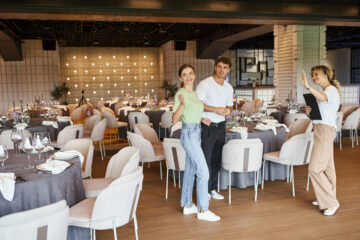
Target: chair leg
(229, 184)
(103, 142)
(167, 182)
(288, 174)
(292, 180)
(94, 234)
(308, 182)
(352, 137)
(160, 169)
(136, 227)
(340, 136)
(357, 137)
(256, 176)
(174, 178)
(263, 175)
(148, 164)
(114, 228)
(91, 234)
(100, 148)
(179, 179)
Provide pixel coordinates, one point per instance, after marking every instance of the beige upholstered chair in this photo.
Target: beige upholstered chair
(107, 110)
(121, 164)
(99, 106)
(86, 148)
(243, 155)
(98, 134)
(5, 138)
(352, 124)
(48, 222)
(90, 124)
(290, 118)
(175, 156)
(67, 134)
(112, 123)
(77, 115)
(147, 152)
(137, 117)
(115, 206)
(248, 107)
(300, 126)
(72, 107)
(147, 132)
(294, 152)
(166, 121)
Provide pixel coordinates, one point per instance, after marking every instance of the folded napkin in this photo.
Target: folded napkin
(175, 127)
(261, 126)
(64, 119)
(54, 166)
(62, 107)
(20, 126)
(284, 126)
(165, 108)
(68, 155)
(51, 123)
(143, 110)
(293, 111)
(7, 185)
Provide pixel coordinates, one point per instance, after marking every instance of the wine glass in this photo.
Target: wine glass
(45, 140)
(17, 136)
(27, 148)
(37, 144)
(3, 154)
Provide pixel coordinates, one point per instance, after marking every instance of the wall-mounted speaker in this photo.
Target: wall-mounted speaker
(180, 45)
(49, 45)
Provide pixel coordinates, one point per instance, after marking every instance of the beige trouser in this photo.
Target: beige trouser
(321, 167)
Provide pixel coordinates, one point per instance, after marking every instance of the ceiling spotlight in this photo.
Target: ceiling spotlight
(134, 63)
(144, 56)
(152, 77)
(69, 93)
(76, 85)
(121, 77)
(145, 84)
(145, 70)
(151, 63)
(115, 84)
(122, 91)
(88, 99)
(129, 84)
(152, 90)
(135, 77)
(76, 99)
(100, 71)
(75, 71)
(101, 84)
(108, 92)
(128, 70)
(102, 99)
(67, 64)
(107, 64)
(121, 64)
(136, 91)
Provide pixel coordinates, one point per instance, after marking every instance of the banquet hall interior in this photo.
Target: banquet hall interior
(88, 149)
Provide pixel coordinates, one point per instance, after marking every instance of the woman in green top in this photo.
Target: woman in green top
(189, 109)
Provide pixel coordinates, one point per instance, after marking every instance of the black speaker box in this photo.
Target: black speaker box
(180, 45)
(49, 45)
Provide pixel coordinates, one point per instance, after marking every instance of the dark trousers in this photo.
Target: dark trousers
(212, 142)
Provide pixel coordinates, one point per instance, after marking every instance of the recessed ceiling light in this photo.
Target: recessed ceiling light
(127, 57)
(69, 93)
(129, 84)
(76, 85)
(94, 92)
(75, 71)
(144, 56)
(101, 84)
(86, 85)
(100, 71)
(115, 84)
(107, 64)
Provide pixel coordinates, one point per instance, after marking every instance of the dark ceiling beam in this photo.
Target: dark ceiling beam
(212, 49)
(10, 44)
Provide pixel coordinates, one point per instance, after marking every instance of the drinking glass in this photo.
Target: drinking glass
(45, 140)
(37, 144)
(28, 148)
(3, 154)
(17, 136)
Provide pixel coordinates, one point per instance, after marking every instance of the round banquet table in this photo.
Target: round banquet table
(35, 188)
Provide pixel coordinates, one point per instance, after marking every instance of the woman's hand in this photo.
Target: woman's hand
(181, 99)
(303, 80)
(206, 121)
(307, 110)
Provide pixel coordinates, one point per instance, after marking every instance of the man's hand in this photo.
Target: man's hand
(227, 112)
(206, 121)
(221, 111)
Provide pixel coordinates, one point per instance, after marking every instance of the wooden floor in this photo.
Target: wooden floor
(276, 214)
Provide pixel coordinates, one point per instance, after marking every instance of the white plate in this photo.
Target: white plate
(262, 129)
(42, 168)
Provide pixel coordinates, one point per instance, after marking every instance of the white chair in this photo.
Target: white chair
(147, 132)
(147, 152)
(166, 121)
(121, 164)
(98, 134)
(290, 118)
(112, 123)
(90, 123)
(300, 126)
(294, 152)
(137, 117)
(67, 134)
(243, 155)
(107, 110)
(175, 156)
(48, 222)
(339, 118)
(5, 138)
(86, 148)
(352, 124)
(115, 206)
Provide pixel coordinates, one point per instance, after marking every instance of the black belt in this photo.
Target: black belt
(217, 125)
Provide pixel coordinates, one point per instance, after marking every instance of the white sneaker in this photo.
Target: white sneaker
(208, 216)
(315, 203)
(190, 210)
(330, 211)
(216, 195)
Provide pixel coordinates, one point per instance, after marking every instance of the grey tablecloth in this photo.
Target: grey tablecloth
(36, 189)
(273, 170)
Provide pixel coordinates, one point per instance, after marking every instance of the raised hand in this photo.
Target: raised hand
(303, 79)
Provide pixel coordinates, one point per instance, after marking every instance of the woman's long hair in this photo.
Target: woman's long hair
(330, 75)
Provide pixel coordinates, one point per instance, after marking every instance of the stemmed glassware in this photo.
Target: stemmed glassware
(17, 136)
(28, 148)
(45, 140)
(37, 144)
(3, 154)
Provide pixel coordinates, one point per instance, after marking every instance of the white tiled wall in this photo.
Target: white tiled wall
(35, 76)
(243, 93)
(265, 95)
(350, 95)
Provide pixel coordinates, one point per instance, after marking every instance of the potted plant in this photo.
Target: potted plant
(170, 89)
(60, 91)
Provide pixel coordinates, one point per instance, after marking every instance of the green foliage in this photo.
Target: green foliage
(60, 91)
(170, 90)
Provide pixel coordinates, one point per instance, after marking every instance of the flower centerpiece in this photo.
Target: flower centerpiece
(231, 119)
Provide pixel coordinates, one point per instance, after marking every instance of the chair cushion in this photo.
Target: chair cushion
(158, 149)
(272, 156)
(122, 124)
(94, 186)
(80, 213)
(348, 112)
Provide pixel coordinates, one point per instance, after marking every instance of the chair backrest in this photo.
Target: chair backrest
(300, 126)
(174, 153)
(69, 133)
(99, 106)
(90, 123)
(243, 155)
(290, 118)
(72, 107)
(111, 120)
(118, 106)
(48, 222)
(352, 121)
(5, 139)
(297, 150)
(122, 163)
(166, 119)
(137, 117)
(339, 119)
(98, 132)
(147, 132)
(145, 147)
(119, 200)
(107, 110)
(248, 107)
(77, 114)
(86, 148)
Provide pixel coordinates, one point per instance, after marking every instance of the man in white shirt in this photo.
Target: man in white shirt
(217, 96)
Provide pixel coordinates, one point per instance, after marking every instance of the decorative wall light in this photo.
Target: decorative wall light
(68, 78)
(86, 71)
(85, 57)
(93, 64)
(107, 78)
(100, 57)
(67, 64)
(94, 92)
(114, 70)
(101, 84)
(93, 78)
(74, 57)
(75, 71)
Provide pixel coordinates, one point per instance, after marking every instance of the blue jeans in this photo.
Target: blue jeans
(195, 165)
